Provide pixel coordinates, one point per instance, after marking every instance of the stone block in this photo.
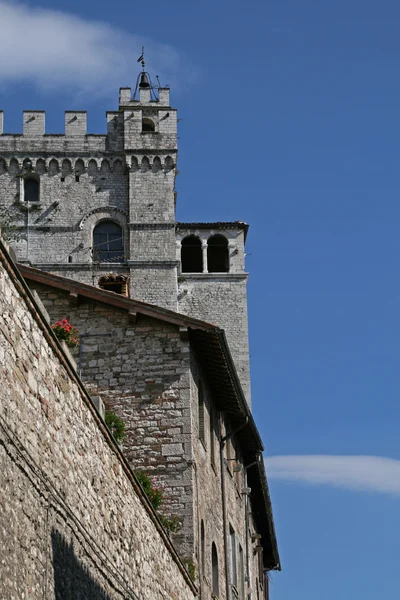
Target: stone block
(172, 449)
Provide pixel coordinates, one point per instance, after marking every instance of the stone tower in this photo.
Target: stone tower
(101, 209)
(150, 151)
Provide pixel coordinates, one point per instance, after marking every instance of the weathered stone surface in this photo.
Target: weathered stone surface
(72, 522)
(128, 177)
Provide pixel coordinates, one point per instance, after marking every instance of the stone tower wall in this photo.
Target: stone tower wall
(126, 176)
(220, 298)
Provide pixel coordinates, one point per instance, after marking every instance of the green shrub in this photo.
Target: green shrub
(116, 425)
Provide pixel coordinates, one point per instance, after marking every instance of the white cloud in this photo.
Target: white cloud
(370, 473)
(54, 49)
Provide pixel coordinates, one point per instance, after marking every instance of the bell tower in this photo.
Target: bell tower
(150, 147)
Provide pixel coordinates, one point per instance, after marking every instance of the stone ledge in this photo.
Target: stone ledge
(208, 276)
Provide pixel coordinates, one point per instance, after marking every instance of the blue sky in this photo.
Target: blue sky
(290, 121)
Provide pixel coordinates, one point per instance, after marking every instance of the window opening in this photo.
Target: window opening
(232, 549)
(212, 446)
(148, 125)
(108, 243)
(202, 435)
(217, 254)
(241, 574)
(215, 573)
(191, 255)
(31, 190)
(115, 283)
(203, 548)
(77, 178)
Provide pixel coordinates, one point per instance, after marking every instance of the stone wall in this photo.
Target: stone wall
(141, 370)
(221, 299)
(217, 486)
(74, 522)
(60, 225)
(148, 375)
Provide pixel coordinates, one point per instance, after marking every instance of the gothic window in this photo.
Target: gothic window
(108, 243)
(215, 573)
(201, 413)
(31, 190)
(148, 125)
(217, 254)
(191, 255)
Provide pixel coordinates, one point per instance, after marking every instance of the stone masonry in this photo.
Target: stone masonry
(125, 177)
(74, 523)
(146, 369)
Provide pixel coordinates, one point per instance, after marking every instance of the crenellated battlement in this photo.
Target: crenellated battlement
(128, 118)
(34, 124)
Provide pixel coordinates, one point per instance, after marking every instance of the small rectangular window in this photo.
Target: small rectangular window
(232, 550)
(77, 178)
(212, 436)
(241, 574)
(202, 434)
(62, 179)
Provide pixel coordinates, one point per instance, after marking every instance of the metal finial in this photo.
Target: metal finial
(141, 58)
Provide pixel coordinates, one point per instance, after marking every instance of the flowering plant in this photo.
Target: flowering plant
(150, 488)
(63, 330)
(155, 494)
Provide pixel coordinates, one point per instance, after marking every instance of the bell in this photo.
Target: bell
(144, 82)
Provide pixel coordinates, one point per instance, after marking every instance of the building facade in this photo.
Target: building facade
(162, 314)
(74, 522)
(88, 205)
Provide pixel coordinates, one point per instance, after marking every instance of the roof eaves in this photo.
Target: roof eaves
(111, 298)
(238, 388)
(261, 504)
(216, 225)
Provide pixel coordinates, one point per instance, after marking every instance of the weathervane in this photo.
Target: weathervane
(141, 58)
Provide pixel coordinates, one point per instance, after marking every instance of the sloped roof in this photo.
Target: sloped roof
(211, 347)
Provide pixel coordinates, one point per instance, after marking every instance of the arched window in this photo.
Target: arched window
(217, 254)
(215, 573)
(191, 255)
(31, 190)
(108, 243)
(203, 548)
(148, 125)
(202, 434)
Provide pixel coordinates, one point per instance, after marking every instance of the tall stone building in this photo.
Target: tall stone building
(90, 204)
(162, 315)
